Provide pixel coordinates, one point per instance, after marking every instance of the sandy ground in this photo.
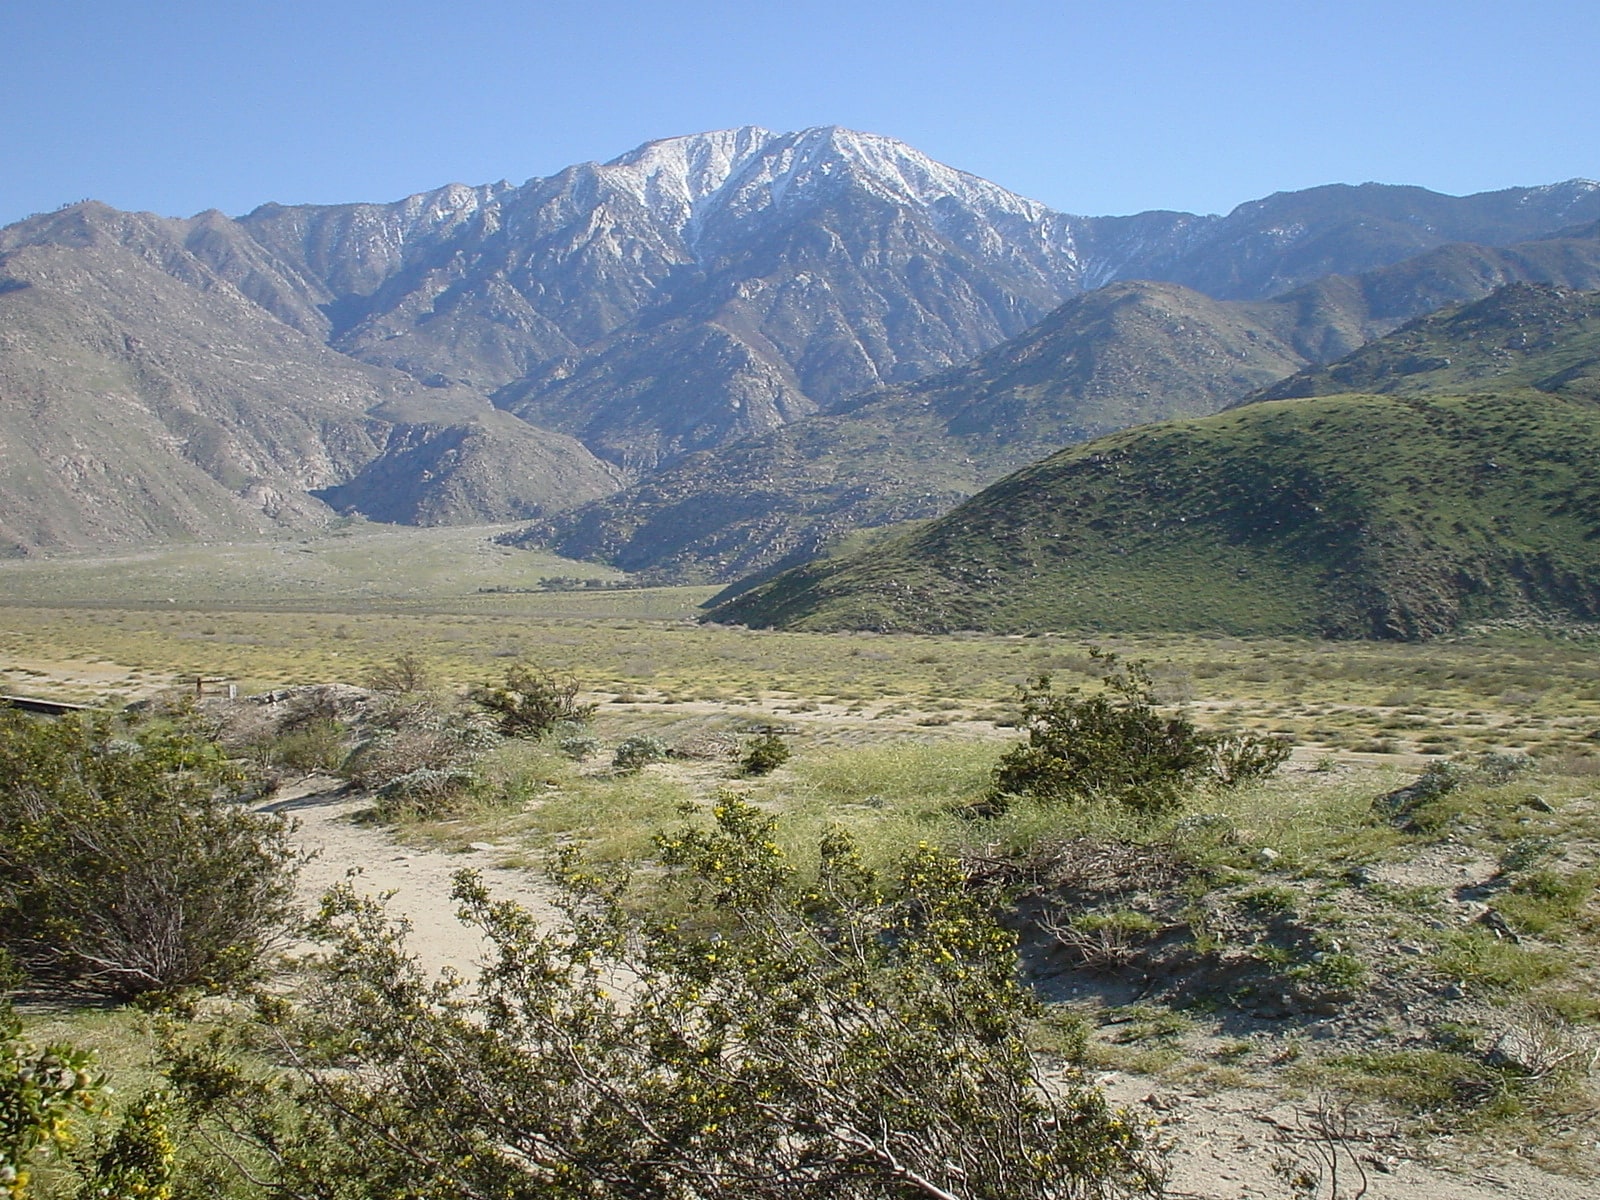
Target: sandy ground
(1226, 1145)
(419, 879)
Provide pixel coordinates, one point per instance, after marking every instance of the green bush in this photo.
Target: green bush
(1115, 746)
(317, 745)
(40, 1091)
(125, 864)
(634, 753)
(532, 701)
(758, 1036)
(764, 754)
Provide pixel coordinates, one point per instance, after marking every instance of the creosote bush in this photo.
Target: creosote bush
(126, 866)
(41, 1091)
(1115, 746)
(532, 701)
(635, 753)
(764, 1036)
(765, 754)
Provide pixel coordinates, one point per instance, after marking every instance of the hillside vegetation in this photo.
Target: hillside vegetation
(1126, 354)
(1358, 515)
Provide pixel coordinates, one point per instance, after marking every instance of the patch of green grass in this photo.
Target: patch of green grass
(1477, 958)
(1414, 1081)
(1547, 904)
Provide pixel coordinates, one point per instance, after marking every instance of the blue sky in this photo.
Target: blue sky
(1093, 108)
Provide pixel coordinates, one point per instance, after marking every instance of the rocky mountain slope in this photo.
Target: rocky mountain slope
(693, 292)
(1346, 515)
(145, 398)
(1124, 355)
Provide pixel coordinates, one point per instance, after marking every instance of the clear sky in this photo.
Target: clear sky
(1102, 107)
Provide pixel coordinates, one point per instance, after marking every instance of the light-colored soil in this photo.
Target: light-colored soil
(1233, 1143)
(417, 880)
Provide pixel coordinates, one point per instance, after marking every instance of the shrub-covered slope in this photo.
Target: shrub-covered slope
(1124, 355)
(1349, 516)
(1523, 335)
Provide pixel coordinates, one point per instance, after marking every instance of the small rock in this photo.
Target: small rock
(1497, 925)
(1266, 856)
(1518, 1049)
(483, 846)
(1453, 991)
(1538, 804)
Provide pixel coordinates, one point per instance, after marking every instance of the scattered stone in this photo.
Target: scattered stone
(1521, 1049)
(1497, 925)
(483, 846)
(1538, 804)
(1266, 857)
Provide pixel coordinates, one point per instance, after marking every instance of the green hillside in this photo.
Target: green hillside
(1122, 355)
(1348, 516)
(1523, 335)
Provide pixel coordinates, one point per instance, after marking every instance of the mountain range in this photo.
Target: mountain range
(499, 352)
(1446, 474)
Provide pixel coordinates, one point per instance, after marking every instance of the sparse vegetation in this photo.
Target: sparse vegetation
(859, 1034)
(1257, 914)
(532, 701)
(765, 754)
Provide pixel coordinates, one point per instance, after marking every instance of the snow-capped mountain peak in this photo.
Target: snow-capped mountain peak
(751, 169)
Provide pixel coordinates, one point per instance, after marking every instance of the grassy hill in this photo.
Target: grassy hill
(1364, 514)
(1523, 335)
(1124, 355)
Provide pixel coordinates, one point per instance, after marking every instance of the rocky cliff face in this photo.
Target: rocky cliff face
(144, 396)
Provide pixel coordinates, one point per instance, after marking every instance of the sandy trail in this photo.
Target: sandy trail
(420, 879)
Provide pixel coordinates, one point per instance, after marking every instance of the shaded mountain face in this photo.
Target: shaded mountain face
(144, 398)
(701, 289)
(1124, 355)
(1397, 516)
(689, 294)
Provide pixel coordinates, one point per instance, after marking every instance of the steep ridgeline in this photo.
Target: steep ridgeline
(704, 288)
(145, 398)
(1395, 516)
(1127, 354)
(693, 292)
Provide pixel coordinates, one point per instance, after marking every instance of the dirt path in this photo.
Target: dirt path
(420, 879)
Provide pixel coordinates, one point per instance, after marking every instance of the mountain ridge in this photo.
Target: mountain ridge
(1120, 355)
(1337, 513)
(689, 293)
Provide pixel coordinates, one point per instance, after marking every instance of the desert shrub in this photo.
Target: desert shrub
(759, 1037)
(633, 753)
(125, 864)
(137, 1160)
(532, 701)
(419, 754)
(317, 745)
(40, 1090)
(404, 675)
(764, 754)
(1114, 746)
(580, 747)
